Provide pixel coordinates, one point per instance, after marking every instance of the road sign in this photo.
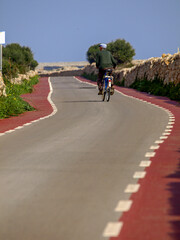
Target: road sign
(2, 37)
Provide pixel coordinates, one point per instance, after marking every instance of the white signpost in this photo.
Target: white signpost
(2, 41)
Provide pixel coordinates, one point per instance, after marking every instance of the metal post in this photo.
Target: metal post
(1, 58)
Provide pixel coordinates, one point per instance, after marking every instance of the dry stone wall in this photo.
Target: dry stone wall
(166, 68)
(21, 77)
(17, 80)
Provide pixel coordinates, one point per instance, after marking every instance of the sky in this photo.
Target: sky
(63, 30)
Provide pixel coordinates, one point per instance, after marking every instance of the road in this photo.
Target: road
(62, 177)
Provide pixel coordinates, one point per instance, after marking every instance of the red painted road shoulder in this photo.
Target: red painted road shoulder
(155, 210)
(37, 99)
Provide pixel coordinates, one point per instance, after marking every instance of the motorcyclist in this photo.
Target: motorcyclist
(104, 61)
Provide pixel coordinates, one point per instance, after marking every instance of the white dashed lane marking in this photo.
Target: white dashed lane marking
(112, 229)
(150, 154)
(145, 163)
(123, 206)
(166, 133)
(163, 137)
(169, 127)
(159, 141)
(154, 147)
(139, 174)
(132, 188)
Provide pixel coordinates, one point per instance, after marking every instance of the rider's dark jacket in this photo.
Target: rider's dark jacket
(104, 59)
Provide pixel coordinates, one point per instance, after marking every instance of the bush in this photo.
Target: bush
(17, 59)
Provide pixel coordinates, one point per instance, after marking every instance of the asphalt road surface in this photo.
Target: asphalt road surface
(62, 177)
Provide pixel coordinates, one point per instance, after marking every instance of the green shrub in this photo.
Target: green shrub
(13, 104)
(158, 88)
(17, 59)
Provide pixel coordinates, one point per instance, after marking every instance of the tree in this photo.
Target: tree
(121, 50)
(91, 53)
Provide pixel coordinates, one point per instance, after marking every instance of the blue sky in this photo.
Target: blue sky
(63, 30)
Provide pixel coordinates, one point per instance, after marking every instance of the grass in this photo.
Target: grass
(13, 104)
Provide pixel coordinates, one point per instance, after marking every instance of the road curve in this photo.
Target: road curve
(61, 178)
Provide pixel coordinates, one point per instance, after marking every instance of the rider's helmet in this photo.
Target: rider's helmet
(103, 45)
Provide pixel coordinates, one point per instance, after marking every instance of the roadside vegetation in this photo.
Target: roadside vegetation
(158, 88)
(13, 104)
(16, 60)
